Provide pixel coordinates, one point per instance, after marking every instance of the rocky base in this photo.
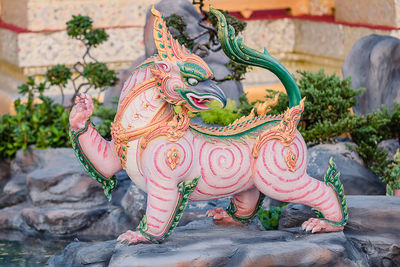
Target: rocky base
(372, 238)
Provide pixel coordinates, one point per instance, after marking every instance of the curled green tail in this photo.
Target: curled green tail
(235, 49)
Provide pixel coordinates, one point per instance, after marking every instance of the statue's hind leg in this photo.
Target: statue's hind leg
(280, 173)
(243, 208)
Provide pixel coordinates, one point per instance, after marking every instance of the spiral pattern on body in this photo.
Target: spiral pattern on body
(159, 165)
(224, 168)
(271, 167)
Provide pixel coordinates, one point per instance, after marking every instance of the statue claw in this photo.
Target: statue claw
(221, 217)
(131, 237)
(314, 225)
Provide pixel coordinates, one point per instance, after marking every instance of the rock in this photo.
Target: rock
(109, 226)
(216, 60)
(357, 179)
(81, 253)
(379, 250)
(372, 63)
(59, 179)
(10, 218)
(390, 145)
(293, 215)
(373, 226)
(61, 221)
(371, 238)
(374, 214)
(14, 192)
(196, 210)
(203, 243)
(123, 185)
(134, 204)
(4, 171)
(63, 199)
(367, 215)
(24, 161)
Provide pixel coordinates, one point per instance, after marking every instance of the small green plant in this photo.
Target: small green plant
(39, 120)
(219, 115)
(270, 218)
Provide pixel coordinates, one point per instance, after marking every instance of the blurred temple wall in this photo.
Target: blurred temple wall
(302, 34)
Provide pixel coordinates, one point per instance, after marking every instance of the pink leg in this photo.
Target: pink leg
(162, 202)
(276, 179)
(246, 204)
(100, 151)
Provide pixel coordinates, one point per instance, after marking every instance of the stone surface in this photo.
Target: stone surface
(4, 172)
(134, 204)
(58, 221)
(14, 192)
(62, 199)
(391, 146)
(59, 179)
(10, 218)
(39, 15)
(293, 215)
(372, 64)
(203, 243)
(367, 215)
(371, 238)
(372, 228)
(372, 12)
(356, 178)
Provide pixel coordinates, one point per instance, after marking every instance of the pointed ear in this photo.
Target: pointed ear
(163, 66)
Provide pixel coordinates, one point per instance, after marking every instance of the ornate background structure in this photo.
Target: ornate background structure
(306, 34)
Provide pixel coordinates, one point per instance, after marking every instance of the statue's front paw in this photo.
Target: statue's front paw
(81, 111)
(131, 237)
(314, 225)
(221, 217)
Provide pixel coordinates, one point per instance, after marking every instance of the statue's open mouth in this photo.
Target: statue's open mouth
(200, 101)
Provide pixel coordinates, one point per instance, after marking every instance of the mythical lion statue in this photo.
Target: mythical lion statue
(175, 161)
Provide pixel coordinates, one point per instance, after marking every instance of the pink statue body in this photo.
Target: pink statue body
(175, 161)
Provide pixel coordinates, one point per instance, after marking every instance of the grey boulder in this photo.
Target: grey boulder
(203, 243)
(356, 178)
(372, 64)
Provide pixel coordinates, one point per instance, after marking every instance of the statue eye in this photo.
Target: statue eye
(192, 81)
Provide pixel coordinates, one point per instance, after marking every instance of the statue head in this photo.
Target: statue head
(183, 78)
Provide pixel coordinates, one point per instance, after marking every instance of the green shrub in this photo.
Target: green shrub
(219, 115)
(327, 107)
(270, 218)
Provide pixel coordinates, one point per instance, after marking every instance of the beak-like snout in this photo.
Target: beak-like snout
(210, 88)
